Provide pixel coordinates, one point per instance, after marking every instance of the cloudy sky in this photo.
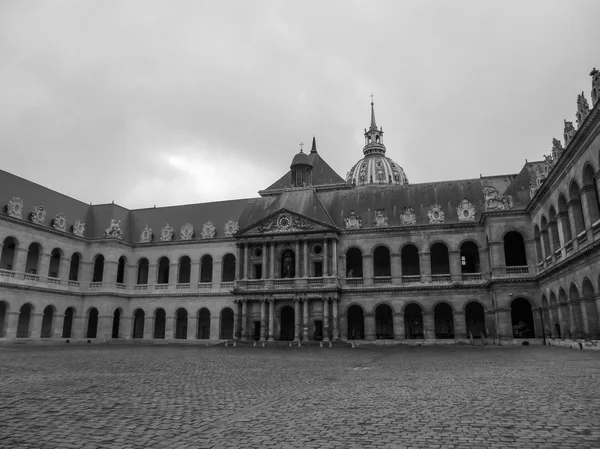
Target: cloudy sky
(173, 102)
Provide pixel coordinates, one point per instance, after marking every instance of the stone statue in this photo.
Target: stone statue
(557, 150)
(583, 109)
(288, 268)
(114, 230)
(569, 133)
(495, 201)
(595, 74)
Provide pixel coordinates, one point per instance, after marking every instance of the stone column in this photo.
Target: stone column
(125, 330)
(334, 258)
(490, 325)
(562, 234)
(305, 320)
(236, 319)
(529, 253)
(44, 265)
(263, 318)
(425, 264)
(77, 326)
(588, 198)
(342, 266)
(325, 258)
(336, 318)
(484, 263)
(367, 261)
(12, 324)
(244, 319)
(264, 266)
(130, 275)
(428, 326)
(63, 269)
(584, 318)
(192, 327)
(305, 271)
(564, 321)
(272, 262)
(19, 261)
(57, 325)
(369, 326)
(297, 324)
(149, 326)
(398, 321)
(576, 328)
(194, 274)
(215, 319)
(460, 325)
(325, 319)
(174, 273)
(109, 277)
(35, 325)
(496, 249)
(396, 268)
(170, 323)
(271, 319)
(217, 274)
(455, 266)
(297, 261)
(504, 330)
(571, 213)
(245, 262)
(152, 274)
(239, 270)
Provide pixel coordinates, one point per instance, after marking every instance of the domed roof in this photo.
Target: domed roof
(376, 169)
(301, 159)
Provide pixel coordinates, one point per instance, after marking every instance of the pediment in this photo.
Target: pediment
(285, 222)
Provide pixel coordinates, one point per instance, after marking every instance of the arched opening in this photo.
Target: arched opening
(54, 266)
(564, 313)
(591, 310)
(24, 320)
(3, 310)
(356, 323)
(288, 264)
(92, 324)
(475, 319)
(546, 238)
(575, 206)
(444, 321)
(228, 269)
(181, 324)
(537, 238)
(410, 261)
(381, 262)
(206, 268)
(121, 270)
(384, 322)
(143, 268)
(576, 315)
(204, 324)
(74, 267)
(591, 193)
(565, 223)
(185, 270)
(7, 259)
(98, 268)
(33, 258)
(522, 318)
(160, 323)
(138, 323)
(163, 270)
(469, 258)
(514, 250)
(67, 331)
(354, 261)
(116, 324)
(553, 229)
(413, 321)
(440, 262)
(287, 323)
(226, 328)
(47, 321)
(554, 316)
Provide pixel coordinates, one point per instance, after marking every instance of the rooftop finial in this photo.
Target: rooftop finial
(301, 145)
(373, 125)
(313, 149)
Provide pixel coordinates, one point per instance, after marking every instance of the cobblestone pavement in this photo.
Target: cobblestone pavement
(198, 397)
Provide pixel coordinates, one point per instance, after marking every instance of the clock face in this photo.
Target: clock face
(284, 222)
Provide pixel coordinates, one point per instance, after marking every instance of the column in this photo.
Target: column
(125, 327)
(77, 326)
(342, 266)
(217, 273)
(264, 267)
(244, 319)
(571, 213)
(35, 325)
(236, 319)
(272, 262)
(334, 258)
(505, 331)
(460, 325)
(565, 325)
(297, 261)
(484, 263)
(585, 325)
(152, 274)
(130, 274)
(12, 323)
(305, 320)
(63, 269)
(305, 271)
(398, 320)
(425, 264)
(238, 268)
(57, 325)
(194, 274)
(576, 329)
(173, 273)
(367, 262)
(245, 262)
(192, 326)
(215, 319)
(43, 265)
(396, 268)
(170, 323)
(325, 258)
(455, 266)
(149, 326)
(490, 325)
(336, 318)
(19, 262)
(271, 319)
(263, 318)
(562, 236)
(586, 193)
(369, 326)
(325, 319)
(428, 326)
(110, 272)
(296, 319)
(496, 249)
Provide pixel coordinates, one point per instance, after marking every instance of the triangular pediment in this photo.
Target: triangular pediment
(284, 221)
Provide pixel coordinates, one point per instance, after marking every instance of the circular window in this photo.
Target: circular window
(257, 252)
(436, 215)
(465, 213)
(317, 249)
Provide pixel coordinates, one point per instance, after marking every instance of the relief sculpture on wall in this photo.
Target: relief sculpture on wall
(495, 201)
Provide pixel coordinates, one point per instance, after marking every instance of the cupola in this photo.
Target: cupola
(301, 170)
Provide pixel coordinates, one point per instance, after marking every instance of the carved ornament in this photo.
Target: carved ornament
(407, 216)
(435, 214)
(147, 235)
(208, 230)
(495, 201)
(79, 227)
(166, 233)
(230, 228)
(380, 218)
(187, 232)
(569, 133)
(595, 74)
(465, 211)
(285, 223)
(353, 221)
(38, 215)
(60, 222)
(583, 109)
(114, 230)
(15, 207)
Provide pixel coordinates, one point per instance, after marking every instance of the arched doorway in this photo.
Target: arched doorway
(413, 321)
(384, 322)
(204, 324)
(381, 262)
(288, 264)
(160, 322)
(185, 270)
(444, 321)
(98, 273)
(138, 323)
(226, 324)
(7, 255)
(121, 270)
(116, 323)
(228, 267)
(163, 271)
(522, 318)
(514, 250)
(68, 323)
(92, 329)
(47, 322)
(181, 324)
(287, 323)
(206, 268)
(354, 262)
(24, 319)
(356, 323)
(143, 269)
(475, 319)
(3, 310)
(33, 257)
(410, 260)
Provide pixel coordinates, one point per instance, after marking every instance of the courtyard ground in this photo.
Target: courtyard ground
(197, 397)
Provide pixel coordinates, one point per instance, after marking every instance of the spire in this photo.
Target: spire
(313, 149)
(373, 136)
(373, 124)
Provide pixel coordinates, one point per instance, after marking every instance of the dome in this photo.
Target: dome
(301, 159)
(376, 169)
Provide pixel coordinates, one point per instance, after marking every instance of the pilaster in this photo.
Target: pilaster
(428, 326)
(369, 326)
(455, 266)
(460, 325)
(398, 322)
(325, 319)
(367, 269)
(396, 268)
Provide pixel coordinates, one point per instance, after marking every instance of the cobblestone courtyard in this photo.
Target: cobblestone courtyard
(198, 397)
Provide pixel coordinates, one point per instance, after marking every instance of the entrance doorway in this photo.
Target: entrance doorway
(318, 330)
(356, 323)
(287, 323)
(256, 330)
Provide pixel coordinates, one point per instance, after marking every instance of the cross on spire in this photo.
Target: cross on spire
(371, 97)
(301, 145)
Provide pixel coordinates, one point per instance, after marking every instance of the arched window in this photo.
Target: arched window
(3, 313)
(206, 268)
(475, 319)
(24, 320)
(440, 262)
(116, 326)
(138, 323)
(444, 321)
(565, 223)
(74, 267)
(121, 270)
(591, 310)
(381, 262)
(185, 269)
(354, 262)
(204, 324)
(226, 327)
(160, 322)
(163, 270)
(47, 322)
(33, 258)
(410, 261)
(143, 267)
(413, 321)
(181, 322)
(514, 250)
(92, 323)
(469, 258)
(575, 206)
(228, 268)
(54, 266)
(522, 318)
(553, 229)
(356, 323)
(68, 323)
(98, 268)
(591, 194)
(384, 322)
(7, 259)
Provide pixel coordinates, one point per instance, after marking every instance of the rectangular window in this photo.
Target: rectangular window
(258, 271)
(318, 269)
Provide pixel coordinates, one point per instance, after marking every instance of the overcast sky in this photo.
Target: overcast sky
(174, 102)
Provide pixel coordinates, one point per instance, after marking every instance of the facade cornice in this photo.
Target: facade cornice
(560, 265)
(417, 227)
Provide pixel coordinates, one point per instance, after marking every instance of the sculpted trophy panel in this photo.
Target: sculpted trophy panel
(166, 233)
(187, 231)
(230, 228)
(79, 227)
(39, 214)
(465, 211)
(146, 235)
(60, 222)
(14, 208)
(208, 230)
(114, 230)
(407, 216)
(380, 218)
(353, 221)
(435, 214)
(495, 201)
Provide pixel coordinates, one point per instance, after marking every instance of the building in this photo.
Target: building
(319, 257)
